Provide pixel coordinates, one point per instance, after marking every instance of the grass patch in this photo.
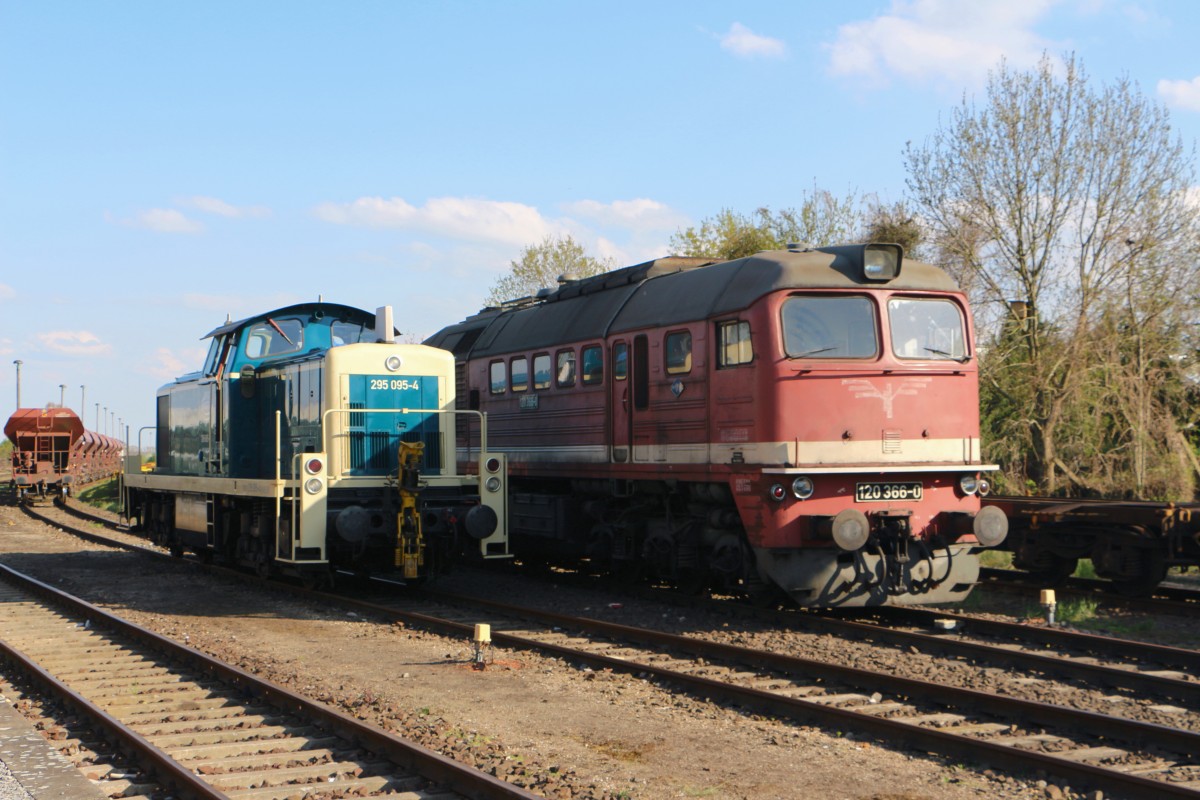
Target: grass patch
(103, 495)
(1077, 610)
(1085, 569)
(996, 559)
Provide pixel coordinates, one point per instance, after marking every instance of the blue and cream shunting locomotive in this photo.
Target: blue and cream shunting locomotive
(312, 441)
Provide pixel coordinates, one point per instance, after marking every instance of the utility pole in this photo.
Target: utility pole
(18, 362)
(82, 403)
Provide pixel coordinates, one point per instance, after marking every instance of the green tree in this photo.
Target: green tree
(822, 219)
(1072, 201)
(542, 265)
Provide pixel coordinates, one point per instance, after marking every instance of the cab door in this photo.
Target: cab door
(620, 401)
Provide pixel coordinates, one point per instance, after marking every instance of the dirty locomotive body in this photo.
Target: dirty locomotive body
(311, 442)
(804, 421)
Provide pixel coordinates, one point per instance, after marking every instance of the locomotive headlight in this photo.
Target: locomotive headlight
(393, 363)
(881, 262)
(492, 465)
(313, 466)
(312, 485)
(969, 484)
(985, 488)
(778, 492)
(802, 487)
(493, 484)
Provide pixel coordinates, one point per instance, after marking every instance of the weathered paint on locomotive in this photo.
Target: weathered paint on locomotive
(740, 418)
(281, 453)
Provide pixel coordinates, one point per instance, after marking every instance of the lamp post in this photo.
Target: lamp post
(97, 417)
(82, 403)
(105, 417)
(18, 362)
(62, 395)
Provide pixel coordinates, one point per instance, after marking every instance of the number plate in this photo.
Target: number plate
(887, 492)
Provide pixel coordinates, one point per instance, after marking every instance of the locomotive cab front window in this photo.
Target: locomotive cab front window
(274, 337)
(341, 333)
(927, 328)
(829, 326)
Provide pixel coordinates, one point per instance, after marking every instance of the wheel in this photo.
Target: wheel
(1052, 570)
(1154, 570)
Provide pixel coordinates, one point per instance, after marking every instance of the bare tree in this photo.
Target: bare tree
(1055, 195)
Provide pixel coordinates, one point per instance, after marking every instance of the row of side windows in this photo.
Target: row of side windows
(734, 348)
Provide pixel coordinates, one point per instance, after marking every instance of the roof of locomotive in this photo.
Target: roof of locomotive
(667, 291)
(325, 310)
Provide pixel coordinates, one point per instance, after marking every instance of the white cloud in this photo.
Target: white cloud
(211, 205)
(640, 214)
(475, 240)
(942, 41)
(1182, 94)
(166, 364)
(7, 292)
(743, 42)
(163, 220)
(73, 343)
(451, 217)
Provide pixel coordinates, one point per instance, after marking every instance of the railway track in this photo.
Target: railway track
(1129, 757)
(1164, 599)
(206, 729)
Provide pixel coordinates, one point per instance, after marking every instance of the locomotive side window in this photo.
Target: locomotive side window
(929, 328)
(566, 368)
(499, 380)
(274, 337)
(593, 364)
(829, 326)
(541, 371)
(679, 352)
(214, 351)
(733, 344)
(520, 374)
(620, 357)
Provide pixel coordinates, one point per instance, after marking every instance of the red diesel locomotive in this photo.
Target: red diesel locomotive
(800, 420)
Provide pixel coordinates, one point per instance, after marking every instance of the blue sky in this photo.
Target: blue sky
(163, 165)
